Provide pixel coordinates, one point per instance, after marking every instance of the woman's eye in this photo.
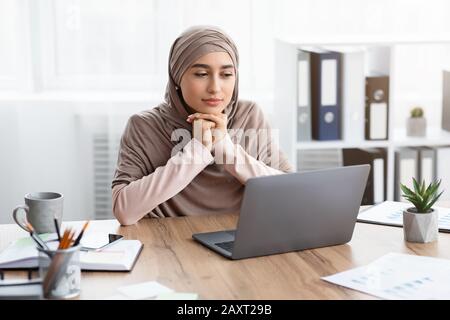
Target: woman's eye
(201, 74)
(228, 74)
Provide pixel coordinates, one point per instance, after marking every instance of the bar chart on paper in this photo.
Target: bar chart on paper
(399, 276)
(391, 213)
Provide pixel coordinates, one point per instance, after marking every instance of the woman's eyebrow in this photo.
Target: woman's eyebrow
(205, 66)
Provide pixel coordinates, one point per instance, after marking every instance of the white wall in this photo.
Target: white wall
(48, 146)
(110, 56)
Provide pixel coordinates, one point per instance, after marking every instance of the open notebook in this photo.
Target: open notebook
(120, 256)
(391, 213)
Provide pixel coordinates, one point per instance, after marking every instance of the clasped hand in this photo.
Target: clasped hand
(208, 128)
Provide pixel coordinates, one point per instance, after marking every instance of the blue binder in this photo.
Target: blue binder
(325, 94)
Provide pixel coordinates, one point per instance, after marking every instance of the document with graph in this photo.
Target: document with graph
(399, 276)
(390, 213)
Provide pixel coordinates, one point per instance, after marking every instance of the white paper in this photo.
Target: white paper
(121, 255)
(118, 256)
(144, 290)
(23, 253)
(399, 276)
(391, 213)
(94, 239)
(118, 296)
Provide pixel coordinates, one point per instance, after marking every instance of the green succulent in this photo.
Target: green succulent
(423, 198)
(417, 112)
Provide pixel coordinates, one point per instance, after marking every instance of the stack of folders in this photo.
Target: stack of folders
(122, 256)
(376, 186)
(336, 100)
(422, 163)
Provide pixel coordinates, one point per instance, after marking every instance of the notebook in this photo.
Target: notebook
(390, 213)
(121, 256)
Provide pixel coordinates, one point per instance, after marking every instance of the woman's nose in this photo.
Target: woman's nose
(214, 85)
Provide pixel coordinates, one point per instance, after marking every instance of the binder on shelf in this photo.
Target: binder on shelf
(353, 93)
(325, 94)
(446, 101)
(376, 187)
(443, 170)
(303, 96)
(406, 168)
(426, 157)
(377, 107)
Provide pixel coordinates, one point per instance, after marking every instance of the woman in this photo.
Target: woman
(162, 171)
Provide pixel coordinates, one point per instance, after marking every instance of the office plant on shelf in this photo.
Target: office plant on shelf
(416, 124)
(420, 223)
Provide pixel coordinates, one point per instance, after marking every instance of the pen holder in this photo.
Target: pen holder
(60, 272)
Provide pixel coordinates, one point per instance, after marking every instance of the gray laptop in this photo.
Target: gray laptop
(294, 211)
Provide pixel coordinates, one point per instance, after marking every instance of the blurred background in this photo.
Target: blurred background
(73, 71)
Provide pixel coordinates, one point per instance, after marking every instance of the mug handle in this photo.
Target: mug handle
(16, 211)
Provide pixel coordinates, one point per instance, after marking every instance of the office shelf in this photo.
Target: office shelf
(383, 54)
(339, 144)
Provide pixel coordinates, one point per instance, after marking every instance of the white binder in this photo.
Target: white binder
(446, 100)
(427, 159)
(303, 96)
(378, 180)
(378, 120)
(406, 168)
(353, 92)
(443, 171)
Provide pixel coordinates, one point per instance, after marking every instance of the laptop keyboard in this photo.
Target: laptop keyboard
(228, 245)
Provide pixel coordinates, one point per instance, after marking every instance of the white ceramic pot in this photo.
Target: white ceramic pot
(420, 227)
(416, 127)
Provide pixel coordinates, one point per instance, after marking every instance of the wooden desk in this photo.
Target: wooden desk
(171, 257)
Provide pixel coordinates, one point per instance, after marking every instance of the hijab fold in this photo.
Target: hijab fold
(147, 143)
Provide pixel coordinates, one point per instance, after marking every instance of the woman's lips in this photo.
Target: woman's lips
(212, 102)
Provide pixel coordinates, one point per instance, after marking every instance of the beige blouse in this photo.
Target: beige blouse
(133, 201)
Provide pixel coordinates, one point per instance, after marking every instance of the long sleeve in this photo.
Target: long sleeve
(133, 201)
(239, 163)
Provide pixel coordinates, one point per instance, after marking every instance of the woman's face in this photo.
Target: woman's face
(207, 86)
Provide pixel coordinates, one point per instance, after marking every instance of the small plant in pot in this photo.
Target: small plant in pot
(420, 223)
(416, 124)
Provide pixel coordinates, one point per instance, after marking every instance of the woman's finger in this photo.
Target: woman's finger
(206, 116)
(208, 125)
(197, 129)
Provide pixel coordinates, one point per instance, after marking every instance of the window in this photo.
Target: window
(103, 44)
(13, 36)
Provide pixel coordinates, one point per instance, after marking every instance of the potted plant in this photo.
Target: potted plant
(420, 223)
(416, 124)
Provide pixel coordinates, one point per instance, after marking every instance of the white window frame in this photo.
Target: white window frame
(21, 79)
(52, 81)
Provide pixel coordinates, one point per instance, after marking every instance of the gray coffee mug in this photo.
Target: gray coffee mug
(41, 208)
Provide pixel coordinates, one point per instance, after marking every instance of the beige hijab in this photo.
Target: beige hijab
(146, 143)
